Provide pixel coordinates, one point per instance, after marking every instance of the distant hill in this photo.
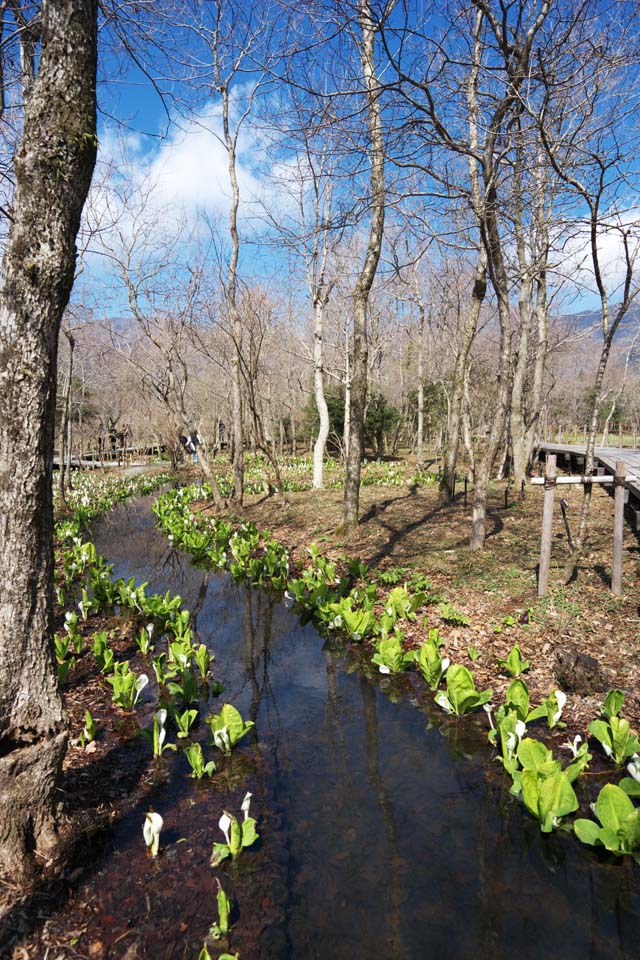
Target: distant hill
(591, 318)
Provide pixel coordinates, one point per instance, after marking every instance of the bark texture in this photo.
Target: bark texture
(53, 170)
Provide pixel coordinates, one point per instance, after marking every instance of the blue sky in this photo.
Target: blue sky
(178, 161)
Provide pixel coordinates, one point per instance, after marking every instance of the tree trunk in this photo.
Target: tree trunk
(420, 425)
(450, 458)
(53, 171)
(526, 394)
(351, 502)
(581, 539)
(321, 403)
(232, 307)
(346, 432)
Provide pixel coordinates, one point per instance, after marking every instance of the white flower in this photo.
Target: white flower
(511, 743)
(521, 729)
(221, 739)
(224, 823)
(383, 668)
(634, 768)
(607, 749)
(246, 804)
(443, 701)
(445, 665)
(161, 717)
(151, 832)
(487, 709)
(561, 699)
(573, 746)
(149, 628)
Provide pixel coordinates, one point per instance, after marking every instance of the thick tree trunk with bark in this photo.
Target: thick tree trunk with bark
(53, 172)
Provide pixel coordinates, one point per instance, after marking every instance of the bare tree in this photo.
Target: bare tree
(369, 26)
(233, 40)
(588, 122)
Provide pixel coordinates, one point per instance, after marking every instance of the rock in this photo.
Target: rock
(577, 672)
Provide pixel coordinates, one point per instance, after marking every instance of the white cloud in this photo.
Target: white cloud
(576, 265)
(189, 170)
(153, 200)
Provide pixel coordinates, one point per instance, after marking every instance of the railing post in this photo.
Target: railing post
(618, 528)
(547, 524)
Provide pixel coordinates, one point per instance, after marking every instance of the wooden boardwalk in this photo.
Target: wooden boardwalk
(572, 456)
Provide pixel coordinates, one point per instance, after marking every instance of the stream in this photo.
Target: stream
(385, 830)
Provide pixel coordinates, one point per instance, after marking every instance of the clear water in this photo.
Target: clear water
(385, 831)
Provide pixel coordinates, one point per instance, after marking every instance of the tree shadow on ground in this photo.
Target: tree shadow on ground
(604, 574)
(437, 514)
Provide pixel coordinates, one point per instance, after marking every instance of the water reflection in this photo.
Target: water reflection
(381, 836)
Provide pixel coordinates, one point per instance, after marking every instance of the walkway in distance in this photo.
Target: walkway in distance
(572, 456)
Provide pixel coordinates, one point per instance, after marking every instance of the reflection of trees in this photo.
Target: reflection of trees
(374, 776)
(200, 598)
(127, 535)
(257, 658)
(335, 728)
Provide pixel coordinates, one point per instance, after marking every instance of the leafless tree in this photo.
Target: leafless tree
(368, 26)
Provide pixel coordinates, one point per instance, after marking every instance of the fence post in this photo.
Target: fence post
(547, 524)
(618, 527)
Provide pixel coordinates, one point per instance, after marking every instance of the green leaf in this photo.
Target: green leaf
(532, 754)
(602, 732)
(514, 664)
(517, 698)
(556, 799)
(630, 786)
(530, 791)
(613, 806)
(230, 718)
(613, 703)
(587, 831)
(220, 852)
(462, 692)
(235, 836)
(224, 910)
(249, 832)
